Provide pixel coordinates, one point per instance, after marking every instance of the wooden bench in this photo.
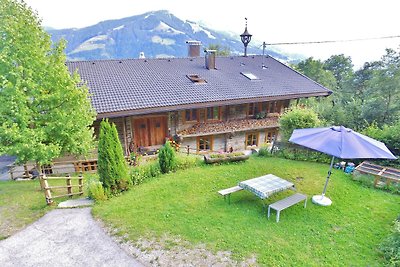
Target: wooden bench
(285, 203)
(229, 191)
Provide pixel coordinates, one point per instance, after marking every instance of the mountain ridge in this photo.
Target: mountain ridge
(159, 34)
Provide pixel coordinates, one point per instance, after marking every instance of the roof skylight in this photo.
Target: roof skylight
(250, 76)
(195, 78)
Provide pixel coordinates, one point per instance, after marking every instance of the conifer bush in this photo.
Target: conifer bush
(167, 158)
(112, 167)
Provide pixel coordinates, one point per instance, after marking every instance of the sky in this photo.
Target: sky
(268, 21)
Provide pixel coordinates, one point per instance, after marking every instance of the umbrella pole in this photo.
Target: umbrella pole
(329, 175)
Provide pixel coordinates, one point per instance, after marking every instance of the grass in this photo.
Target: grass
(22, 202)
(185, 204)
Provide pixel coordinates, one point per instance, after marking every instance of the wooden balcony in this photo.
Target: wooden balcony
(214, 128)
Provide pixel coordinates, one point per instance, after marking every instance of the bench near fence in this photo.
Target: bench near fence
(44, 183)
(286, 203)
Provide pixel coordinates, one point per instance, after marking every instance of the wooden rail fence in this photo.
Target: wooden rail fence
(44, 183)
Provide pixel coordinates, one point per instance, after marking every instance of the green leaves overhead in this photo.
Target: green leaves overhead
(45, 113)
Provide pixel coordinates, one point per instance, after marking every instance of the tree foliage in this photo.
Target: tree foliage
(315, 70)
(45, 112)
(112, 167)
(167, 158)
(221, 50)
(367, 96)
(297, 118)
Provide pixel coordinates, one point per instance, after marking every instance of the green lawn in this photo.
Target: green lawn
(22, 202)
(186, 204)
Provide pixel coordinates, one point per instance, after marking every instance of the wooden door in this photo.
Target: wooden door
(141, 128)
(150, 131)
(158, 130)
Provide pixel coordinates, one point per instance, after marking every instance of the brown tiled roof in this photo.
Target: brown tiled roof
(212, 128)
(138, 86)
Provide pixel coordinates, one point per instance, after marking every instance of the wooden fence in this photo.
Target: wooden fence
(44, 183)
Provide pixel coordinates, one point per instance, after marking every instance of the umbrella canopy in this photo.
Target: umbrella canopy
(339, 142)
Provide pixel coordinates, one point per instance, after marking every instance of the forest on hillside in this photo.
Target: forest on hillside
(366, 100)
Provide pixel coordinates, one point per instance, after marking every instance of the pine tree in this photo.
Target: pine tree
(112, 168)
(167, 158)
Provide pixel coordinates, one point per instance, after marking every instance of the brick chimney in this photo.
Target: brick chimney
(193, 48)
(210, 59)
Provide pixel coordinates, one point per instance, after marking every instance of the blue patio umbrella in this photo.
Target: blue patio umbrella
(339, 142)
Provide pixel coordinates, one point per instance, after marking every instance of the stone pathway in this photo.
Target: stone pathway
(64, 237)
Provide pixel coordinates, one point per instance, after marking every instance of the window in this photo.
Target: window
(252, 139)
(251, 109)
(213, 113)
(272, 107)
(270, 135)
(204, 143)
(250, 76)
(191, 115)
(195, 78)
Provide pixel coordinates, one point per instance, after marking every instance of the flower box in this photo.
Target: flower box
(225, 157)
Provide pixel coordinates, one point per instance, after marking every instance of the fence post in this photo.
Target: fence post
(69, 185)
(80, 181)
(11, 172)
(47, 192)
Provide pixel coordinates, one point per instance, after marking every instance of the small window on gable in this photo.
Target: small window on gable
(195, 78)
(250, 76)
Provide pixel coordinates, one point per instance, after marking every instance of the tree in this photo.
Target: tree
(45, 111)
(297, 118)
(383, 102)
(112, 168)
(341, 68)
(221, 50)
(167, 158)
(315, 70)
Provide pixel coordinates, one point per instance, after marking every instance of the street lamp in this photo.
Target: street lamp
(246, 38)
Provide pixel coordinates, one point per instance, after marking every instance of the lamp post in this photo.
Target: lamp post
(246, 38)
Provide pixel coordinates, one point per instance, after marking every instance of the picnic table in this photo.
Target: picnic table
(266, 185)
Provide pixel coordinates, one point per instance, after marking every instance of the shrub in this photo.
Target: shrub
(112, 168)
(167, 158)
(295, 152)
(184, 162)
(390, 247)
(264, 152)
(96, 190)
(297, 118)
(141, 173)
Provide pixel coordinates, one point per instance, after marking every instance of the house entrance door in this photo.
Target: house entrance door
(150, 131)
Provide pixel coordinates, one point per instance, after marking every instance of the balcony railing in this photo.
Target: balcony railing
(214, 128)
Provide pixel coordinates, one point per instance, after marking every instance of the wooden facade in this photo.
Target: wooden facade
(221, 128)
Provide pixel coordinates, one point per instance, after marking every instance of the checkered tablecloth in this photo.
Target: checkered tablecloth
(266, 185)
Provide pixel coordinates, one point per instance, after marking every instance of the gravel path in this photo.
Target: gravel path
(63, 237)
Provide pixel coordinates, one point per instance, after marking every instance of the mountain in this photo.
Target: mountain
(157, 34)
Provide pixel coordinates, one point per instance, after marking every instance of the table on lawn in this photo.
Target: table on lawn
(266, 185)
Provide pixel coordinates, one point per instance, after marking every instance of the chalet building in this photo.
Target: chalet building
(209, 103)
